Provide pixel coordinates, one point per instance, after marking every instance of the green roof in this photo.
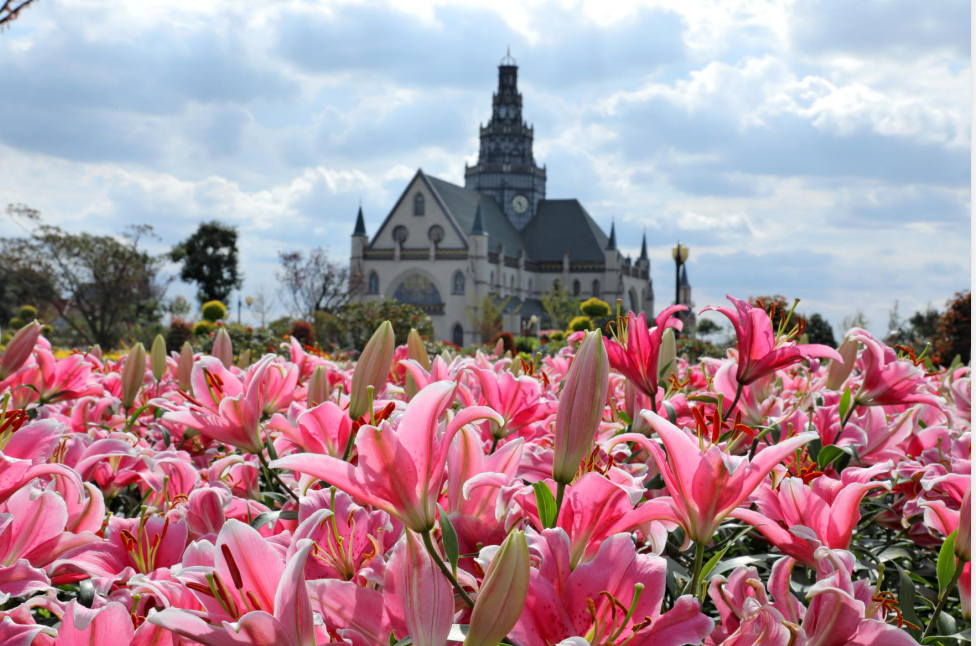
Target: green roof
(463, 203)
(564, 226)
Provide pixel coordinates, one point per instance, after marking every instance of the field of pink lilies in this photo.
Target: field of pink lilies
(610, 494)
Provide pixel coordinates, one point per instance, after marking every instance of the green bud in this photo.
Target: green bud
(372, 369)
(133, 374)
(157, 357)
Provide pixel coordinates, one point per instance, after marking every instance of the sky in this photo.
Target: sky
(815, 149)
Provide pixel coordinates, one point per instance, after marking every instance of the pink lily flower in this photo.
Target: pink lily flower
(584, 602)
(704, 481)
(759, 351)
(887, 380)
(637, 360)
(18, 349)
(109, 624)
(518, 400)
(419, 599)
(25, 451)
(399, 471)
(322, 429)
(251, 596)
(797, 518)
(221, 408)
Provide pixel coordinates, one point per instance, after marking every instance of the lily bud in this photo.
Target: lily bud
(244, 358)
(96, 352)
(318, 387)
(133, 373)
(963, 534)
(185, 368)
(503, 592)
(372, 369)
(667, 356)
(416, 349)
(157, 357)
(223, 348)
(19, 349)
(581, 406)
(837, 372)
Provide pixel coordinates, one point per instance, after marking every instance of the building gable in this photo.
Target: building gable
(418, 227)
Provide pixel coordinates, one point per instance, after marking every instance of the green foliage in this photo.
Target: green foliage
(818, 330)
(694, 349)
(508, 341)
(179, 332)
(179, 307)
(486, 318)
(705, 327)
(359, 320)
(209, 258)
(527, 344)
(560, 306)
(581, 323)
(953, 331)
(213, 311)
(245, 339)
(204, 328)
(595, 308)
(16, 323)
(558, 335)
(27, 313)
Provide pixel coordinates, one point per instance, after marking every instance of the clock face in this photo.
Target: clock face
(520, 203)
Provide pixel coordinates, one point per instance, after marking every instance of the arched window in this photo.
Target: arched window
(436, 234)
(400, 233)
(576, 288)
(457, 335)
(458, 283)
(596, 289)
(374, 283)
(418, 204)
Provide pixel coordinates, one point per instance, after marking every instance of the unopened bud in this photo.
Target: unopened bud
(223, 348)
(19, 349)
(185, 368)
(503, 592)
(963, 534)
(581, 407)
(372, 369)
(133, 374)
(838, 372)
(157, 357)
(318, 387)
(667, 355)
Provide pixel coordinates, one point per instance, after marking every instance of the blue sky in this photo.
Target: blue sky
(815, 149)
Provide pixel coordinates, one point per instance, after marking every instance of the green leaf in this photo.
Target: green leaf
(964, 636)
(450, 539)
(845, 402)
(906, 600)
(707, 399)
(828, 455)
(263, 519)
(712, 562)
(546, 504)
(406, 641)
(625, 418)
(946, 566)
(132, 420)
(672, 414)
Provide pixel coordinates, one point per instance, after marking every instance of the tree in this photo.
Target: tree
(209, 259)
(10, 9)
(954, 328)
(102, 287)
(560, 306)
(486, 318)
(179, 307)
(707, 326)
(358, 321)
(262, 305)
(818, 330)
(314, 282)
(857, 319)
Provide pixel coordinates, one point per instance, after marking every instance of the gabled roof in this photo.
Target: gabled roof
(564, 226)
(462, 203)
(427, 181)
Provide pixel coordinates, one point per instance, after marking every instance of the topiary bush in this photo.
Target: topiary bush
(595, 308)
(27, 313)
(15, 323)
(179, 332)
(303, 332)
(213, 311)
(527, 344)
(204, 328)
(558, 335)
(581, 323)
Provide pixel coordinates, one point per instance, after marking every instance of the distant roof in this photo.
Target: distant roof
(525, 307)
(463, 203)
(562, 226)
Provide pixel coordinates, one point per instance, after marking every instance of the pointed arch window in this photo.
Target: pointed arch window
(457, 285)
(457, 335)
(418, 204)
(373, 283)
(596, 289)
(576, 288)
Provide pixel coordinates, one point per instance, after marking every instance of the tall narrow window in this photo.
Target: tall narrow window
(457, 335)
(576, 288)
(418, 204)
(458, 287)
(596, 289)
(374, 283)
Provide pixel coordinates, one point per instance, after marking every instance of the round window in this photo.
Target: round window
(400, 233)
(436, 233)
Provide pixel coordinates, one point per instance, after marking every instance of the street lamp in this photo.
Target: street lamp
(680, 255)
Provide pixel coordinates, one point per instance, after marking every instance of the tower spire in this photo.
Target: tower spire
(360, 229)
(478, 229)
(643, 255)
(612, 243)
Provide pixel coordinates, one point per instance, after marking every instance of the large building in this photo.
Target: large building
(447, 248)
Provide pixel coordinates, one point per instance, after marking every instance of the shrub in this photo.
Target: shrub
(303, 332)
(527, 344)
(953, 331)
(508, 341)
(27, 313)
(47, 330)
(213, 310)
(358, 321)
(558, 335)
(204, 328)
(581, 323)
(179, 332)
(595, 308)
(16, 323)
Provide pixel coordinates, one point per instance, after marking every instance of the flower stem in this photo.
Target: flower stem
(560, 492)
(699, 558)
(429, 544)
(735, 400)
(943, 598)
(273, 477)
(494, 445)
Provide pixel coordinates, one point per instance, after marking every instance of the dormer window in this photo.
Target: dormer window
(418, 204)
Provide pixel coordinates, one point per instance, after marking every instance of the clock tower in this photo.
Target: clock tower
(506, 169)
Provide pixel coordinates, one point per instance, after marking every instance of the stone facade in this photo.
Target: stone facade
(445, 248)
